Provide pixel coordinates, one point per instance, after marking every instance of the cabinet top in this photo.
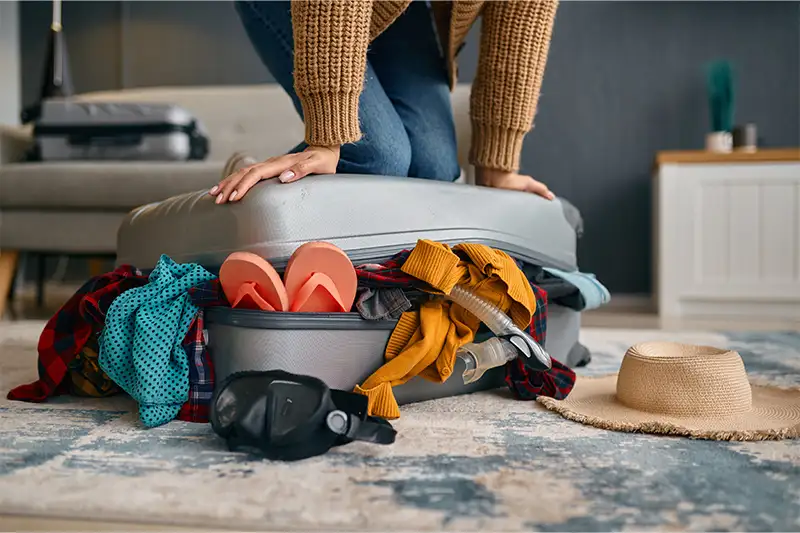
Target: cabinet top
(762, 155)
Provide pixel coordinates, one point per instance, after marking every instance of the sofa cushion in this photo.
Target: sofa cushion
(77, 232)
(110, 186)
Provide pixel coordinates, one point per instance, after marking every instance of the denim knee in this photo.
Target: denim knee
(381, 157)
(434, 157)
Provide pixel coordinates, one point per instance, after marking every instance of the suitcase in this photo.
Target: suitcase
(370, 218)
(71, 130)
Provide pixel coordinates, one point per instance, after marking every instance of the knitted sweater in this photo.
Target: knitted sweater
(331, 39)
(425, 341)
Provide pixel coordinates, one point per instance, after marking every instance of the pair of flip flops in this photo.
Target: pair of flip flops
(319, 278)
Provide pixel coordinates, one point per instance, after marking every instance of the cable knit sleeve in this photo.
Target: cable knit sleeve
(330, 54)
(515, 41)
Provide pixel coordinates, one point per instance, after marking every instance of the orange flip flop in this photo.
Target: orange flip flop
(250, 282)
(320, 278)
(318, 295)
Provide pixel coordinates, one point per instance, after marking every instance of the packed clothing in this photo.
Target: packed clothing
(125, 332)
(69, 346)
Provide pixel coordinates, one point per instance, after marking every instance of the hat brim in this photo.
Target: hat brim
(775, 414)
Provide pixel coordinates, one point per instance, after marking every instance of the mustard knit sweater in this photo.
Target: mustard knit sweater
(331, 39)
(425, 341)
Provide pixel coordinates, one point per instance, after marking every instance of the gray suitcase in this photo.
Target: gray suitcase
(370, 218)
(301, 343)
(72, 130)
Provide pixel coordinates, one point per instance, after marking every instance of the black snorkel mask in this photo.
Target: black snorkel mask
(288, 417)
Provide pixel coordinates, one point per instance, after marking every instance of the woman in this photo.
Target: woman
(372, 79)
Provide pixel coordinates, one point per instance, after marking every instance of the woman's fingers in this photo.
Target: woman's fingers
(299, 170)
(537, 187)
(288, 168)
(268, 170)
(224, 185)
(229, 185)
(235, 186)
(320, 160)
(216, 188)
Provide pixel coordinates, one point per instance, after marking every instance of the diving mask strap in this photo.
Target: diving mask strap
(374, 430)
(350, 420)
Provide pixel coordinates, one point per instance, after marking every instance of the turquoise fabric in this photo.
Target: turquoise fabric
(140, 347)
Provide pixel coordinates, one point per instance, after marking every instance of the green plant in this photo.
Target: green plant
(721, 95)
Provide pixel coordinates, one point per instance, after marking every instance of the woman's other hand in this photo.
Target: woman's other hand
(287, 168)
(500, 179)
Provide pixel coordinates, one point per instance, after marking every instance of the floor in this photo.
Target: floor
(23, 523)
(623, 316)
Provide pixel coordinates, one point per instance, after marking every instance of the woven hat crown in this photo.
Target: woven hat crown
(683, 380)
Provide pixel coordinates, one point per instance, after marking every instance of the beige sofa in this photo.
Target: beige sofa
(75, 208)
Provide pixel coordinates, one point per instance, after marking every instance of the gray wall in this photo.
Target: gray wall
(625, 79)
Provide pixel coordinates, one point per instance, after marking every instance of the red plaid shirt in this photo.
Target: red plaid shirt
(70, 328)
(84, 314)
(527, 384)
(201, 369)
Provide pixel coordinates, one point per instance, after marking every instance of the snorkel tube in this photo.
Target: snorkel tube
(509, 342)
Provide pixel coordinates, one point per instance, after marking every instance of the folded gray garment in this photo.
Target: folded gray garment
(381, 304)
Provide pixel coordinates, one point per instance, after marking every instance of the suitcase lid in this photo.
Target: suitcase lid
(369, 217)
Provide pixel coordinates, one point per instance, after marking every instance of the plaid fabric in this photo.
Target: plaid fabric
(386, 275)
(382, 304)
(527, 384)
(538, 327)
(201, 369)
(66, 344)
(70, 328)
(208, 294)
(201, 373)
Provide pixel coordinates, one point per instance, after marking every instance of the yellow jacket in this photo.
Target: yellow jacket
(425, 342)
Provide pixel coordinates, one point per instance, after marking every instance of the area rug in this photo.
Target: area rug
(482, 462)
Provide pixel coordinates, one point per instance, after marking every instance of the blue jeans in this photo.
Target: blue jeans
(405, 111)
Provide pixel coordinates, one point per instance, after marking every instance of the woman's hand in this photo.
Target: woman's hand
(500, 179)
(287, 168)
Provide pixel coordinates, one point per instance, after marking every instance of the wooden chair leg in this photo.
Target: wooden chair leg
(8, 267)
(19, 278)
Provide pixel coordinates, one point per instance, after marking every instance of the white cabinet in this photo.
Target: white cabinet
(727, 234)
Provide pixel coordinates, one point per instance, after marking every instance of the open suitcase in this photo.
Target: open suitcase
(370, 218)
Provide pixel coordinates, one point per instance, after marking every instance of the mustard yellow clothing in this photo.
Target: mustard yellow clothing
(86, 378)
(425, 342)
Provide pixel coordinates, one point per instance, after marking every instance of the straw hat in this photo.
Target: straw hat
(679, 389)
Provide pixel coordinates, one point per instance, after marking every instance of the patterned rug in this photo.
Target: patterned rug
(483, 462)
